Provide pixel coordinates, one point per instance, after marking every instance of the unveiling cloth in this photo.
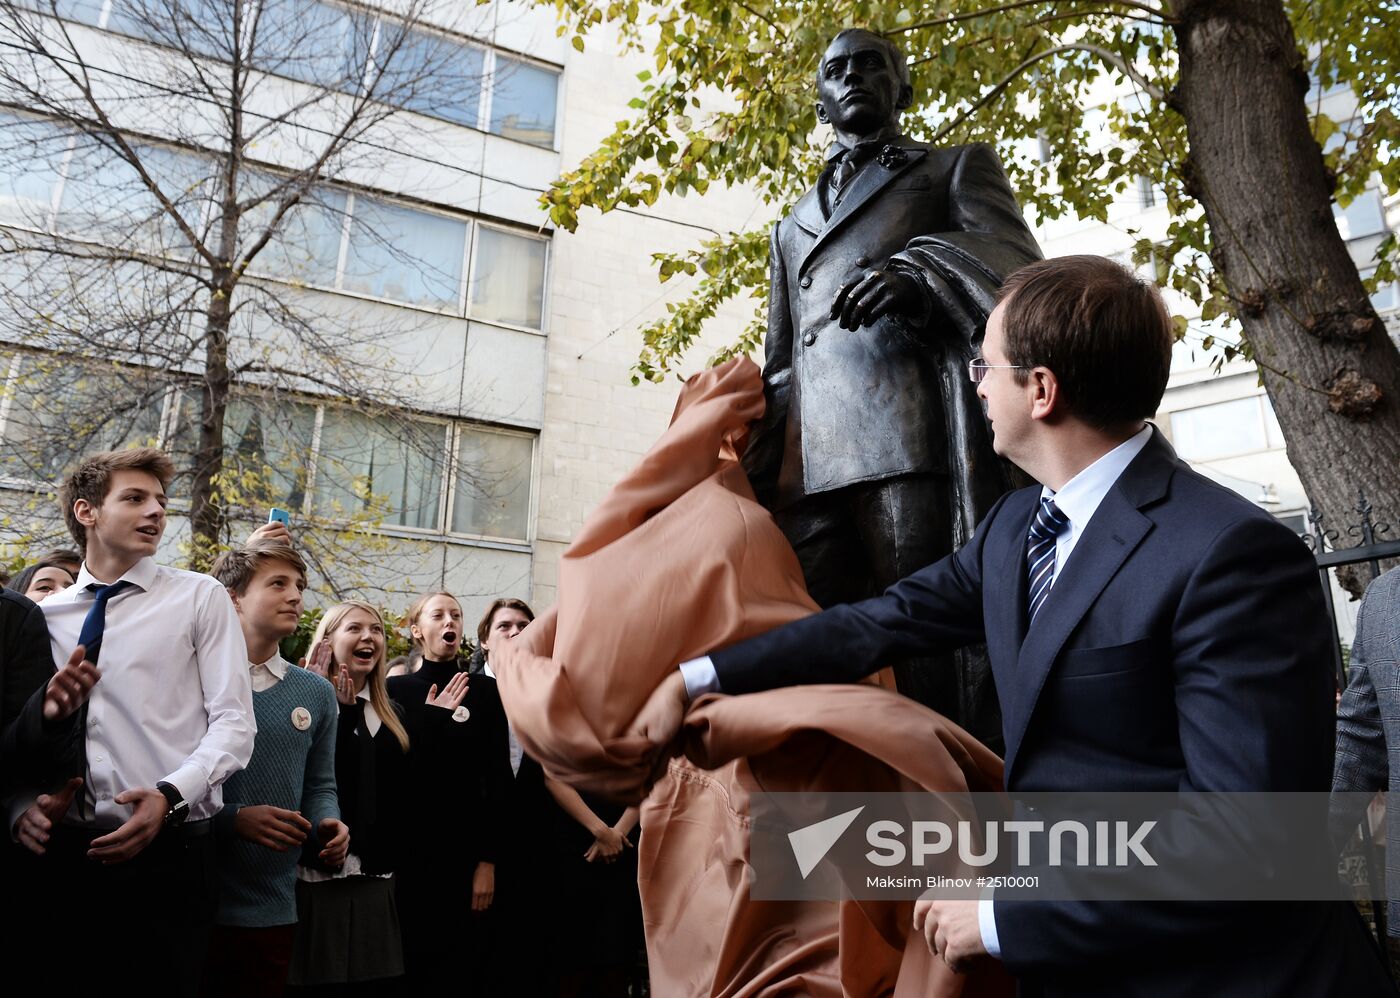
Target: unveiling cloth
(679, 559)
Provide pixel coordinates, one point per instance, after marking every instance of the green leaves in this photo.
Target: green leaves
(732, 102)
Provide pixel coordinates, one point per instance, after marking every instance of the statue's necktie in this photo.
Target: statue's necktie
(848, 166)
(96, 620)
(1040, 553)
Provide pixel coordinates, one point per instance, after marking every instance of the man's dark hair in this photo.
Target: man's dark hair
(1102, 330)
(896, 57)
(93, 477)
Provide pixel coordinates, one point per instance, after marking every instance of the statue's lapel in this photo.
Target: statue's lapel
(807, 212)
(890, 163)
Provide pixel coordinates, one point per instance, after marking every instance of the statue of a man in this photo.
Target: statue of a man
(874, 453)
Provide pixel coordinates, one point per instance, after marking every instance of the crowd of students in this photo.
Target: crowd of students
(188, 805)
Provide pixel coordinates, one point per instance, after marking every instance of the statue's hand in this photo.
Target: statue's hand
(874, 295)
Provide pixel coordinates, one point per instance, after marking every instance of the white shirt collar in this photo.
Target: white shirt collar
(1080, 497)
(277, 665)
(142, 574)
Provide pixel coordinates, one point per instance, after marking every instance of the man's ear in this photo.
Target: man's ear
(84, 513)
(1047, 401)
(234, 596)
(822, 116)
(905, 100)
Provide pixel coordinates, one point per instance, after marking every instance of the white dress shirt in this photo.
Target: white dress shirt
(266, 675)
(175, 703)
(1078, 499)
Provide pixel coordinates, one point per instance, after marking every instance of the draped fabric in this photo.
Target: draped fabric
(677, 560)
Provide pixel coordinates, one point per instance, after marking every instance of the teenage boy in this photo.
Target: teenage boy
(170, 722)
(287, 789)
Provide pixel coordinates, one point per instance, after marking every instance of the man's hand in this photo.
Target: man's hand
(874, 295)
(34, 825)
(336, 836)
(659, 720)
(276, 532)
(483, 886)
(951, 929)
(70, 686)
(274, 827)
(452, 694)
(137, 832)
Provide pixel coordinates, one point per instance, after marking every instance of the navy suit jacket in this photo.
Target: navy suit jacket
(1184, 646)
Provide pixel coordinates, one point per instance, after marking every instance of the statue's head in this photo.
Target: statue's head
(862, 83)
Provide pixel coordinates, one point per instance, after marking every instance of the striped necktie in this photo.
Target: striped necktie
(1040, 553)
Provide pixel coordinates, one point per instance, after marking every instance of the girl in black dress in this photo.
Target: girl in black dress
(459, 780)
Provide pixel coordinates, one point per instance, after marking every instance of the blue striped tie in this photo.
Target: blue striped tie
(1040, 554)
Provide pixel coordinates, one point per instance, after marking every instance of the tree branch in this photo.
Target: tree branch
(1157, 16)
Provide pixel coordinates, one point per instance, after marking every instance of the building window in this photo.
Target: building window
(491, 495)
(388, 250)
(45, 430)
(390, 466)
(430, 74)
(300, 455)
(523, 98)
(508, 278)
(405, 255)
(1225, 429)
(1147, 192)
(1365, 216)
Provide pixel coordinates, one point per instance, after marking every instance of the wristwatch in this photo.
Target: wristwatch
(178, 810)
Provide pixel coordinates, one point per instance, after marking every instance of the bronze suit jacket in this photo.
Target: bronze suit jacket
(887, 399)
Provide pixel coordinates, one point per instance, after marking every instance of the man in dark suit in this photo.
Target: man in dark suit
(1148, 631)
(872, 452)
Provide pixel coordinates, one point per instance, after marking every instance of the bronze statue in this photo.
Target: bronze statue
(874, 453)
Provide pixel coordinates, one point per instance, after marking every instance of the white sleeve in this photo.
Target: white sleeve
(986, 921)
(700, 677)
(222, 658)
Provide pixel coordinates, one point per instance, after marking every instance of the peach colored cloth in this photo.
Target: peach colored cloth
(679, 559)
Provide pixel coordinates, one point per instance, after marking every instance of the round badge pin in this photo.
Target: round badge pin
(301, 718)
(461, 714)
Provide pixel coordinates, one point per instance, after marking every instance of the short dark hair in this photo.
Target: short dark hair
(1102, 330)
(235, 568)
(897, 58)
(483, 629)
(92, 479)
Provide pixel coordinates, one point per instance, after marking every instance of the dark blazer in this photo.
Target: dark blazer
(1183, 647)
(33, 753)
(854, 406)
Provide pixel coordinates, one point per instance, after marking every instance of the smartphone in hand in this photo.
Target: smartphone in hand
(275, 515)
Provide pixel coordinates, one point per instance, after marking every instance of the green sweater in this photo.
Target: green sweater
(292, 769)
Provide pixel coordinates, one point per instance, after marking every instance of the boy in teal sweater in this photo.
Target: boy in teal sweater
(287, 789)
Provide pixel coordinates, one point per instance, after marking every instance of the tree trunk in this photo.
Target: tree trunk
(1328, 364)
(207, 515)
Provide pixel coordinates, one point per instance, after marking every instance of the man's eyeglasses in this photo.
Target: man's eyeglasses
(977, 369)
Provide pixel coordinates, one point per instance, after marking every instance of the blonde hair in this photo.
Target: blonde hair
(378, 690)
(416, 610)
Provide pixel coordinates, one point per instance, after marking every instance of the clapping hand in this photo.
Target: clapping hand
(32, 829)
(452, 694)
(70, 686)
(344, 686)
(319, 661)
